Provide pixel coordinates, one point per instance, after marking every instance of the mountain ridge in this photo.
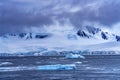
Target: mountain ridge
(87, 32)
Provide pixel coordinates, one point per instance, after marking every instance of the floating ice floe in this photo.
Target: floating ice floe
(74, 56)
(41, 67)
(57, 67)
(5, 63)
(78, 62)
(17, 68)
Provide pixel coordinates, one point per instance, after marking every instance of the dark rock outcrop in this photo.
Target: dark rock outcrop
(104, 36)
(117, 38)
(82, 34)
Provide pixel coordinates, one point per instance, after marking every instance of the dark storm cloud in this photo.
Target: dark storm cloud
(109, 14)
(18, 14)
(13, 18)
(106, 14)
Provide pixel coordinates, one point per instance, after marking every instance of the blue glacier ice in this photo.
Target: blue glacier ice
(39, 67)
(74, 56)
(57, 67)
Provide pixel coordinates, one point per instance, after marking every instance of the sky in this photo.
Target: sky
(17, 15)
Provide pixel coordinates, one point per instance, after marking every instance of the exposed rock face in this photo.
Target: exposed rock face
(118, 38)
(27, 35)
(82, 34)
(92, 32)
(41, 36)
(21, 35)
(104, 36)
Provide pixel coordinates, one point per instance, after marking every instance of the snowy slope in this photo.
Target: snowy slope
(59, 39)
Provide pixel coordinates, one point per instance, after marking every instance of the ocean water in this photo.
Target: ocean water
(93, 67)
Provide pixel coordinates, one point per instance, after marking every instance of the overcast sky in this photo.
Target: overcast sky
(15, 15)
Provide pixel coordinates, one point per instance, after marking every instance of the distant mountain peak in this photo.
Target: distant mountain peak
(93, 32)
(26, 35)
(88, 32)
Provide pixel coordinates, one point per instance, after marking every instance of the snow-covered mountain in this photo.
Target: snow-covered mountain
(26, 35)
(92, 32)
(87, 32)
(60, 39)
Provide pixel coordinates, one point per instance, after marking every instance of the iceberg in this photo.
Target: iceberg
(40, 67)
(6, 69)
(74, 56)
(5, 63)
(57, 67)
(78, 62)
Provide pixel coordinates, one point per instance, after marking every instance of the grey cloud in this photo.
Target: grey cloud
(109, 14)
(17, 14)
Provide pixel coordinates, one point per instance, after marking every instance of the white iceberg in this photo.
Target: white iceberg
(6, 69)
(5, 63)
(78, 62)
(41, 67)
(57, 67)
(74, 56)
